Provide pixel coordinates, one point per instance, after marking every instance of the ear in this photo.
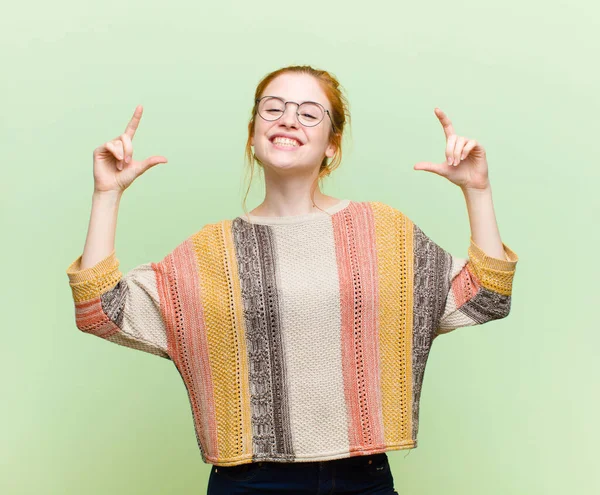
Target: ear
(331, 150)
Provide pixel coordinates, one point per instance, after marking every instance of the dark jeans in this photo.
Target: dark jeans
(359, 475)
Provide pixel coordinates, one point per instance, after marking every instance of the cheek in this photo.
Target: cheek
(321, 139)
(260, 132)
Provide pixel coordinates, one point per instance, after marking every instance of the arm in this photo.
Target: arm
(122, 309)
(100, 240)
(454, 292)
(482, 219)
(477, 289)
(126, 309)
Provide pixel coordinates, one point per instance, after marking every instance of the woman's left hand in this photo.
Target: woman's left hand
(466, 164)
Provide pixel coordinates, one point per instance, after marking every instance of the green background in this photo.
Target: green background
(507, 408)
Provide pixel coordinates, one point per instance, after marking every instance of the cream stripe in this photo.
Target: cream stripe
(142, 319)
(307, 279)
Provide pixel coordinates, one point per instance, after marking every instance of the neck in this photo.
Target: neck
(291, 196)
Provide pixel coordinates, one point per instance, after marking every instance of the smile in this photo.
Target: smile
(286, 144)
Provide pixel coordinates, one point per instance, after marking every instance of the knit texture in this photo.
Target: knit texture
(300, 338)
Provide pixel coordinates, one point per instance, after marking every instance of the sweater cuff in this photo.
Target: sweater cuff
(105, 268)
(482, 260)
(492, 273)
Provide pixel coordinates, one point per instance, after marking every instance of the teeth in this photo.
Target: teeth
(286, 141)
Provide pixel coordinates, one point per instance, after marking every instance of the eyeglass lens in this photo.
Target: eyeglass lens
(309, 114)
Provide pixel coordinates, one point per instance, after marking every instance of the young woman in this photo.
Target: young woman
(301, 330)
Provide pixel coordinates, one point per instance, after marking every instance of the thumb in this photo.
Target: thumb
(153, 160)
(436, 168)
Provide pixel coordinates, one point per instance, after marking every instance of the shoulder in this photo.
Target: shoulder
(385, 211)
(207, 231)
(210, 230)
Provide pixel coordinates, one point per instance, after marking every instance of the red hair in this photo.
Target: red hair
(340, 115)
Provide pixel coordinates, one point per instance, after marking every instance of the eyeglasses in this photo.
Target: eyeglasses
(309, 113)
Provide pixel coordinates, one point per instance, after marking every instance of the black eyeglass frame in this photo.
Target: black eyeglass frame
(325, 111)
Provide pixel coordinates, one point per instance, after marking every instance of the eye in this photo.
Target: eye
(309, 116)
(274, 110)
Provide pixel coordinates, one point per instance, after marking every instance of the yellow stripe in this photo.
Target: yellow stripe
(393, 239)
(493, 273)
(409, 256)
(225, 329)
(93, 281)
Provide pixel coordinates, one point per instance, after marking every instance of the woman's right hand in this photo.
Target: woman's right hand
(114, 166)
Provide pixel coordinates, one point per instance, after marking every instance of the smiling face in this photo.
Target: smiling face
(305, 147)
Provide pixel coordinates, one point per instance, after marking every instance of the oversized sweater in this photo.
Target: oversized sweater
(298, 338)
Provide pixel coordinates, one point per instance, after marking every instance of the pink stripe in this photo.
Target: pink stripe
(356, 258)
(186, 338)
(90, 318)
(464, 286)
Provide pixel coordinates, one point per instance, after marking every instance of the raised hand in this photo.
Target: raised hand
(114, 166)
(466, 164)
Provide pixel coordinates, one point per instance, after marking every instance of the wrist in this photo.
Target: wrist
(477, 191)
(107, 195)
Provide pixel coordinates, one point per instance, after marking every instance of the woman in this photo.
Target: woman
(301, 330)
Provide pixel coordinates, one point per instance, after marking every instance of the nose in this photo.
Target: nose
(289, 117)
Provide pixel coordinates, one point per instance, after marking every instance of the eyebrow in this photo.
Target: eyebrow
(301, 102)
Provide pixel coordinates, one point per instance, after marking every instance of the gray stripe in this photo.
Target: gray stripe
(133, 306)
(113, 302)
(271, 434)
(433, 268)
(486, 306)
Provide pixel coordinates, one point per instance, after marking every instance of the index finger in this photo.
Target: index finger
(134, 122)
(445, 121)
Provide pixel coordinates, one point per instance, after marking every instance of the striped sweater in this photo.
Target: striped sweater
(298, 338)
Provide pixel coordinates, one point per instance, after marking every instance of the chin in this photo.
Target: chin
(284, 165)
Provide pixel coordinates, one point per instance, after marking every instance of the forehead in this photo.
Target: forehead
(298, 88)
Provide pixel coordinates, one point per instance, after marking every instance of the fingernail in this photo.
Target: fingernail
(449, 161)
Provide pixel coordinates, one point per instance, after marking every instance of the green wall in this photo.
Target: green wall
(507, 408)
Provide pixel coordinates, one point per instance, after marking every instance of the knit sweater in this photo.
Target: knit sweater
(298, 338)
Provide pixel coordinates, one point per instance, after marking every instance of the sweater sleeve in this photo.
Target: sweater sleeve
(472, 290)
(123, 309)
